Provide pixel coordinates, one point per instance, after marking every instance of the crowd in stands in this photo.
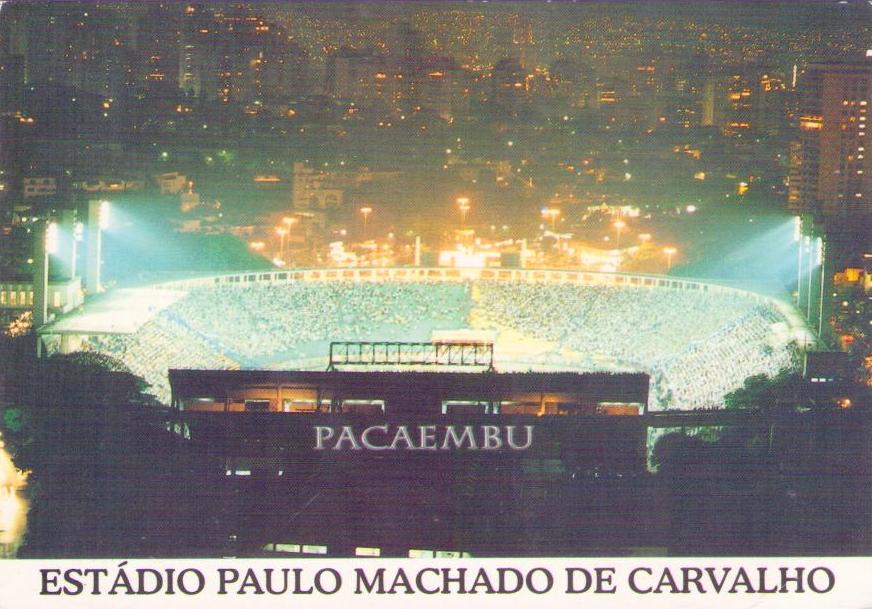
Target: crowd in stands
(256, 324)
(696, 345)
(157, 346)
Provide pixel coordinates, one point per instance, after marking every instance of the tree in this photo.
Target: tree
(761, 391)
(80, 424)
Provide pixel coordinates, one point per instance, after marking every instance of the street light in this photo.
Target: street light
(289, 222)
(282, 232)
(644, 237)
(552, 213)
(463, 206)
(365, 211)
(619, 225)
(670, 252)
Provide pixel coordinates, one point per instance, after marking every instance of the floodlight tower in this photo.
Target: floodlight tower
(812, 277)
(98, 220)
(45, 242)
(70, 233)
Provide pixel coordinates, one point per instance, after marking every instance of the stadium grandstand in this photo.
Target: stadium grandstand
(698, 341)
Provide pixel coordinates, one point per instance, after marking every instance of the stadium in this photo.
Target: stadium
(696, 340)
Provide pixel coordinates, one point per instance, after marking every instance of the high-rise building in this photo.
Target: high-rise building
(11, 83)
(255, 59)
(772, 107)
(709, 103)
(830, 185)
(745, 100)
(361, 76)
(831, 176)
(198, 54)
(157, 46)
(84, 47)
(523, 48)
(441, 89)
(509, 85)
(11, 163)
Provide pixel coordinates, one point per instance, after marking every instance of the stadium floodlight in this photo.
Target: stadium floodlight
(281, 232)
(464, 207)
(365, 210)
(104, 215)
(670, 252)
(51, 238)
(619, 226)
(98, 221)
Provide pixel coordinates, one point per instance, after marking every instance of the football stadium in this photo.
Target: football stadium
(697, 341)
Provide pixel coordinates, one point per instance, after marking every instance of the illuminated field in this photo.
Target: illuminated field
(697, 341)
